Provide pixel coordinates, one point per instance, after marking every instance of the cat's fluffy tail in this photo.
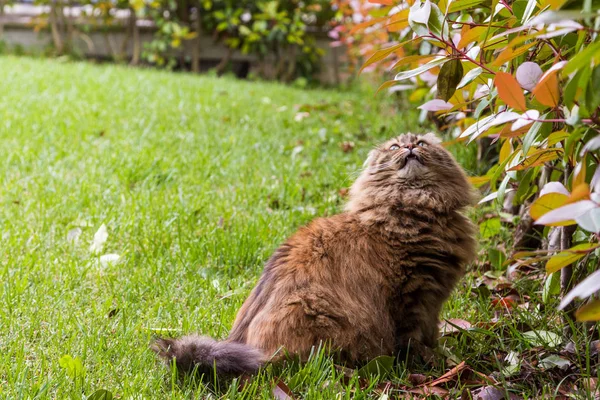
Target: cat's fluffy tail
(207, 356)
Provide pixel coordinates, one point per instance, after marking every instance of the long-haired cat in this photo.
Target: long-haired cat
(370, 281)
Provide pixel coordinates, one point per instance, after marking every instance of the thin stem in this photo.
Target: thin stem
(462, 53)
(475, 24)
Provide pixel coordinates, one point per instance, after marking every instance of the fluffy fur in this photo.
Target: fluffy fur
(370, 281)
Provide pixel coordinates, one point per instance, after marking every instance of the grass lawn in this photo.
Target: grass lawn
(197, 180)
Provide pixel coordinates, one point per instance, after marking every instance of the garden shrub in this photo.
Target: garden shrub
(524, 74)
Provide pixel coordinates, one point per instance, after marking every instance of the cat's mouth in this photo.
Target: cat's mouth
(410, 158)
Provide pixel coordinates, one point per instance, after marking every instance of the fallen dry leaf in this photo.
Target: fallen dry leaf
(453, 325)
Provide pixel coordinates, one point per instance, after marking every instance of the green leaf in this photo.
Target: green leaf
(490, 228)
(419, 70)
(73, 366)
(543, 338)
(582, 59)
(568, 257)
(466, 4)
(450, 76)
(437, 22)
(551, 287)
(101, 395)
(380, 366)
(592, 95)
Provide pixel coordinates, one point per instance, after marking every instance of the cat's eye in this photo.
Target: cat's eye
(394, 147)
(422, 143)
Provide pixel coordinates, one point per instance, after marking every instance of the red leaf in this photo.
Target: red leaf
(509, 90)
(282, 392)
(382, 2)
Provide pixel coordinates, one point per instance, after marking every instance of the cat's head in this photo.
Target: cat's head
(411, 170)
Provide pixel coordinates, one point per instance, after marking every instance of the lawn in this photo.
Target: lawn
(197, 180)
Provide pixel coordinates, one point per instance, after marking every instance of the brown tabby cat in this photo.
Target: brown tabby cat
(370, 281)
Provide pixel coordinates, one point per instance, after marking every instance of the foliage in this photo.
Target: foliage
(281, 29)
(524, 73)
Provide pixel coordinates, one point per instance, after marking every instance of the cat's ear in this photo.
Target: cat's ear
(370, 159)
(432, 138)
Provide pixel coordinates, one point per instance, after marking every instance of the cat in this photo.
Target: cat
(367, 282)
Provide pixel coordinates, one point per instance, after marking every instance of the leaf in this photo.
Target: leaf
(509, 54)
(590, 221)
(581, 192)
(546, 91)
(551, 287)
(586, 288)
(528, 75)
(363, 25)
(73, 366)
(380, 366)
(543, 338)
(582, 59)
(410, 59)
(589, 312)
(417, 71)
(469, 77)
(450, 75)
(463, 5)
(568, 257)
(527, 118)
(282, 392)
(554, 361)
(382, 2)
(510, 91)
(436, 105)
(453, 325)
(437, 23)
(101, 394)
(381, 54)
(538, 157)
(490, 228)
(398, 21)
(554, 187)
(418, 17)
(471, 35)
(546, 203)
(566, 214)
(100, 238)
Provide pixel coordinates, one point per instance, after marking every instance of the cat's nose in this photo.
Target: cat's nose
(409, 146)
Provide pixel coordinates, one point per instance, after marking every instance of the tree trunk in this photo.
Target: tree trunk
(137, 45)
(223, 64)
(196, 44)
(55, 28)
(2, 5)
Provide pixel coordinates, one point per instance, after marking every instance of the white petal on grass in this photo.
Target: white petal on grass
(100, 238)
(109, 259)
(528, 75)
(73, 235)
(436, 105)
(566, 213)
(590, 221)
(554, 187)
(586, 288)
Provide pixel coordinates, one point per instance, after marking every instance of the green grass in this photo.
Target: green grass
(198, 180)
